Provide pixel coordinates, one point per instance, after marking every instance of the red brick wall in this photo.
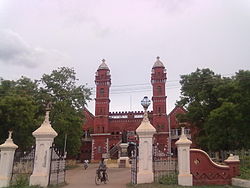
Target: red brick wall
(99, 146)
(89, 120)
(206, 172)
(173, 121)
(86, 151)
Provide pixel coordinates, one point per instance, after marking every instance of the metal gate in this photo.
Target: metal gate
(134, 166)
(23, 164)
(163, 165)
(57, 167)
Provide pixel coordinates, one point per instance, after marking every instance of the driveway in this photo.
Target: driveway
(80, 178)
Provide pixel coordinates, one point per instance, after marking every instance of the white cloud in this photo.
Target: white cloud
(186, 34)
(14, 50)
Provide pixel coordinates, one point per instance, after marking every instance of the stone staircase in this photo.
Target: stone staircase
(113, 153)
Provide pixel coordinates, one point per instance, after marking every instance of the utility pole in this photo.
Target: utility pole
(169, 136)
(65, 144)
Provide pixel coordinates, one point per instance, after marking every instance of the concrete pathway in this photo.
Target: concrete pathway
(80, 178)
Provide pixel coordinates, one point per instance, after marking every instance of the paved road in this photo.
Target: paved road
(80, 178)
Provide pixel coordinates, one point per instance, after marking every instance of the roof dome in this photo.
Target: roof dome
(103, 65)
(158, 63)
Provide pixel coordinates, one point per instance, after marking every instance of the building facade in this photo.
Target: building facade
(103, 131)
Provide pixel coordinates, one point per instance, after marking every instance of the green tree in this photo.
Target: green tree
(18, 111)
(222, 128)
(242, 80)
(218, 108)
(199, 100)
(23, 102)
(68, 101)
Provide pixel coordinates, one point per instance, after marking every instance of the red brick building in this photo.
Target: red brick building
(103, 131)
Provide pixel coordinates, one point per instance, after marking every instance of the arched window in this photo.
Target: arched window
(159, 109)
(159, 90)
(102, 92)
(99, 149)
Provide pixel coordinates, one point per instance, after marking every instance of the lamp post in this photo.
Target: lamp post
(145, 132)
(145, 102)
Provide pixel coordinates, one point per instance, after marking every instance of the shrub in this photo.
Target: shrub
(168, 179)
(245, 173)
(20, 180)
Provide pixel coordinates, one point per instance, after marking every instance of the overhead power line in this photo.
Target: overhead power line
(145, 87)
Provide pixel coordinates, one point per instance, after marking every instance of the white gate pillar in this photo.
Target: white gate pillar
(44, 135)
(183, 145)
(6, 161)
(145, 132)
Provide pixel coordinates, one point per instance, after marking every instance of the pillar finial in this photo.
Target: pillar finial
(183, 135)
(48, 106)
(158, 58)
(183, 138)
(46, 120)
(48, 109)
(182, 130)
(10, 134)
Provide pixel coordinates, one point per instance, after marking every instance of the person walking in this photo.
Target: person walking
(85, 163)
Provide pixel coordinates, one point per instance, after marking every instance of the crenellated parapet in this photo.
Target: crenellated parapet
(127, 115)
(126, 112)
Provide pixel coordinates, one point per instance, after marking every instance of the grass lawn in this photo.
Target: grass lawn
(155, 185)
(26, 186)
(23, 186)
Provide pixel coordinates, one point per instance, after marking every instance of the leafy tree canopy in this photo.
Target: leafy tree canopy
(217, 107)
(23, 102)
(68, 100)
(19, 111)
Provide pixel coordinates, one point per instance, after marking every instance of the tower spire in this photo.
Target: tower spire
(158, 80)
(103, 65)
(158, 63)
(103, 82)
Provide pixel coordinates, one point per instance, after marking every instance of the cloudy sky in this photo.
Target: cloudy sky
(37, 36)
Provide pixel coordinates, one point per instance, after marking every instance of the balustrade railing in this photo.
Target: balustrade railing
(115, 149)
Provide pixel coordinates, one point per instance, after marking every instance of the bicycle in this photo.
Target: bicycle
(101, 177)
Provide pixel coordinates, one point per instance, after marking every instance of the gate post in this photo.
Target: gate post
(145, 132)
(6, 161)
(183, 145)
(44, 135)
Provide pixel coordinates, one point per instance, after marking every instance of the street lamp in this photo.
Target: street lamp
(145, 102)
